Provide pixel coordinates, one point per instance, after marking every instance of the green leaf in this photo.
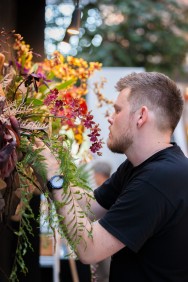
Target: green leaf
(60, 86)
(65, 84)
(35, 102)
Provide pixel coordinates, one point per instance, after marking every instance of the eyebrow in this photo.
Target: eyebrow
(116, 107)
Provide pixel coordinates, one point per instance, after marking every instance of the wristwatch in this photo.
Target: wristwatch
(56, 182)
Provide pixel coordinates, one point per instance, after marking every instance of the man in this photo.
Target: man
(143, 208)
(102, 171)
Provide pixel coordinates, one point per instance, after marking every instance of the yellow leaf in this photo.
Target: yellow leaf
(1, 91)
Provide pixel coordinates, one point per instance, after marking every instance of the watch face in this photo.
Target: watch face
(57, 181)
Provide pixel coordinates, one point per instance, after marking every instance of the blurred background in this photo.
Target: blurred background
(149, 34)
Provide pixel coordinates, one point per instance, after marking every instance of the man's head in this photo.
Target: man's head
(102, 171)
(156, 91)
(146, 100)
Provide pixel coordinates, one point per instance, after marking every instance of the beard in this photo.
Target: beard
(120, 144)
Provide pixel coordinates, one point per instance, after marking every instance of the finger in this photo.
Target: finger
(39, 143)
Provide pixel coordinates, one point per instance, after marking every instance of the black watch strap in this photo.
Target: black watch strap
(55, 182)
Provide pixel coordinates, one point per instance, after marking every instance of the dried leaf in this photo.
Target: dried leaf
(8, 79)
(2, 60)
(2, 103)
(3, 184)
(17, 215)
(18, 192)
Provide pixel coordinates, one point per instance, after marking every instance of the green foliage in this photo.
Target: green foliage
(25, 228)
(150, 34)
(73, 175)
(30, 158)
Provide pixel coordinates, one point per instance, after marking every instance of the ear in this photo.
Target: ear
(142, 116)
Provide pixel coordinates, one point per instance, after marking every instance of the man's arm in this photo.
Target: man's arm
(96, 243)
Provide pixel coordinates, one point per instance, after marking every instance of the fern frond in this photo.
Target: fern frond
(25, 228)
(33, 158)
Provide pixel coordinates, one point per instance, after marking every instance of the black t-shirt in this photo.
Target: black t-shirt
(148, 211)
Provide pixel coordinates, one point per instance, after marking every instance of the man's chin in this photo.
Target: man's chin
(114, 149)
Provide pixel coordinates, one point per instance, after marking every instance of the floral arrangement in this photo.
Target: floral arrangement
(45, 100)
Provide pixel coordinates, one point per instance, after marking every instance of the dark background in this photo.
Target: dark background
(27, 18)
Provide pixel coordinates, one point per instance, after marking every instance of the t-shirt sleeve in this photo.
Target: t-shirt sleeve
(107, 193)
(139, 212)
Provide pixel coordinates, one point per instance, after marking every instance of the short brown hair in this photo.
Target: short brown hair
(158, 92)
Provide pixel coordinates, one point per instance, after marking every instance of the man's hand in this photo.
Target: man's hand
(51, 162)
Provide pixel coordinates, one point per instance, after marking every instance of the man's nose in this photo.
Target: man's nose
(110, 119)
